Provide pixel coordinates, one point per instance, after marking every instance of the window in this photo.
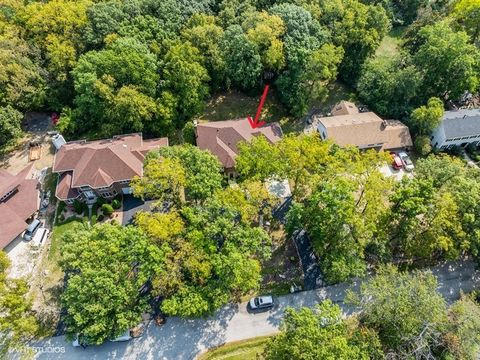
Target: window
(124, 182)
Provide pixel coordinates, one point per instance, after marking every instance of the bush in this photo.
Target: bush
(107, 209)
(93, 219)
(100, 201)
(61, 207)
(61, 217)
(189, 133)
(100, 217)
(116, 204)
(79, 207)
(422, 145)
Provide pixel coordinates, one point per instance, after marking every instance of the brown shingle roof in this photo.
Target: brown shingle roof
(366, 129)
(18, 206)
(103, 162)
(222, 137)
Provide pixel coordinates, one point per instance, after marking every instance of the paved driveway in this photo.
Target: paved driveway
(131, 205)
(184, 339)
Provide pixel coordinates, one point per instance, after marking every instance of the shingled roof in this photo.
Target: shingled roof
(364, 129)
(19, 205)
(101, 163)
(222, 137)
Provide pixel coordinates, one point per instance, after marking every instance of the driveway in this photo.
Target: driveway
(312, 275)
(131, 205)
(185, 339)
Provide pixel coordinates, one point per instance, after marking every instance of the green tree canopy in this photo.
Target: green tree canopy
(106, 265)
(321, 334)
(10, 121)
(425, 119)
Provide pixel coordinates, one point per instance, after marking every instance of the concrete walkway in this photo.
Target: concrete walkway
(185, 339)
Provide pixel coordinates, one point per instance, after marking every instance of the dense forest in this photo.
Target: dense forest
(115, 66)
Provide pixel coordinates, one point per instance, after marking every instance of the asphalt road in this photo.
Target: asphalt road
(184, 339)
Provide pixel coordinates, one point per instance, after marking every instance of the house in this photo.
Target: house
(19, 201)
(365, 130)
(457, 128)
(222, 138)
(103, 168)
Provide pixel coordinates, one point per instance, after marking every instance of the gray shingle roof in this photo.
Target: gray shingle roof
(460, 123)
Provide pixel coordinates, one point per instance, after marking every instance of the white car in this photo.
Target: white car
(31, 229)
(407, 163)
(261, 302)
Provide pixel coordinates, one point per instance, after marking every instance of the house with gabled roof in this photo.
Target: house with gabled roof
(103, 168)
(457, 128)
(19, 201)
(365, 130)
(221, 138)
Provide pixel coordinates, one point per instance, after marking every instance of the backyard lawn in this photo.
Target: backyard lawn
(391, 43)
(251, 349)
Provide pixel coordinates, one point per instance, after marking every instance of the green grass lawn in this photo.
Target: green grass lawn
(391, 43)
(251, 349)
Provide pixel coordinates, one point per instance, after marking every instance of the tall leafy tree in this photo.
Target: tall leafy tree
(448, 61)
(467, 14)
(321, 334)
(107, 265)
(10, 121)
(426, 118)
(185, 79)
(242, 60)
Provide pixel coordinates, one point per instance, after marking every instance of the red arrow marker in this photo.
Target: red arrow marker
(254, 123)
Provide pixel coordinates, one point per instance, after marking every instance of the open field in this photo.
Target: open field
(391, 43)
(251, 349)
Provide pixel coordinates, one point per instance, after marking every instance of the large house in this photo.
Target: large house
(222, 138)
(457, 128)
(19, 201)
(365, 130)
(103, 168)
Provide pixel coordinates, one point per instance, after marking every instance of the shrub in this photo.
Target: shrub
(100, 217)
(107, 209)
(100, 201)
(61, 207)
(79, 207)
(114, 222)
(189, 133)
(422, 145)
(61, 217)
(93, 219)
(116, 204)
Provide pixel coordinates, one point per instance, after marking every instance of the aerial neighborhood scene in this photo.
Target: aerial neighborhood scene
(240, 179)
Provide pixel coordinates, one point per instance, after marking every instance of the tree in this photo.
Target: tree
(358, 28)
(321, 334)
(448, 61)
(422, 145)
(10, 121)
(100, 78)
(212, 255)
(163, 179)
(202, 32)
(467, 14)
(425, 119)
(18, 324)
(185, 78)
(200, 171)
(406, 311)
(306, 82)
(22, 80)
(389, 86)
(242, 60)
(266, 31)
(107, 265)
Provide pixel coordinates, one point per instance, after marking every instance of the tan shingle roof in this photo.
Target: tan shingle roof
(103, 162)
(222, 137)
(366, 129)
(345, 108)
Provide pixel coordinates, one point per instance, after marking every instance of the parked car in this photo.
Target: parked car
(40, 237)
(397, 163)
(31, 229)
(261, 302)
(407, 163)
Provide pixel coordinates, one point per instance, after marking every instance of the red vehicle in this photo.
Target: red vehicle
(396, 161)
